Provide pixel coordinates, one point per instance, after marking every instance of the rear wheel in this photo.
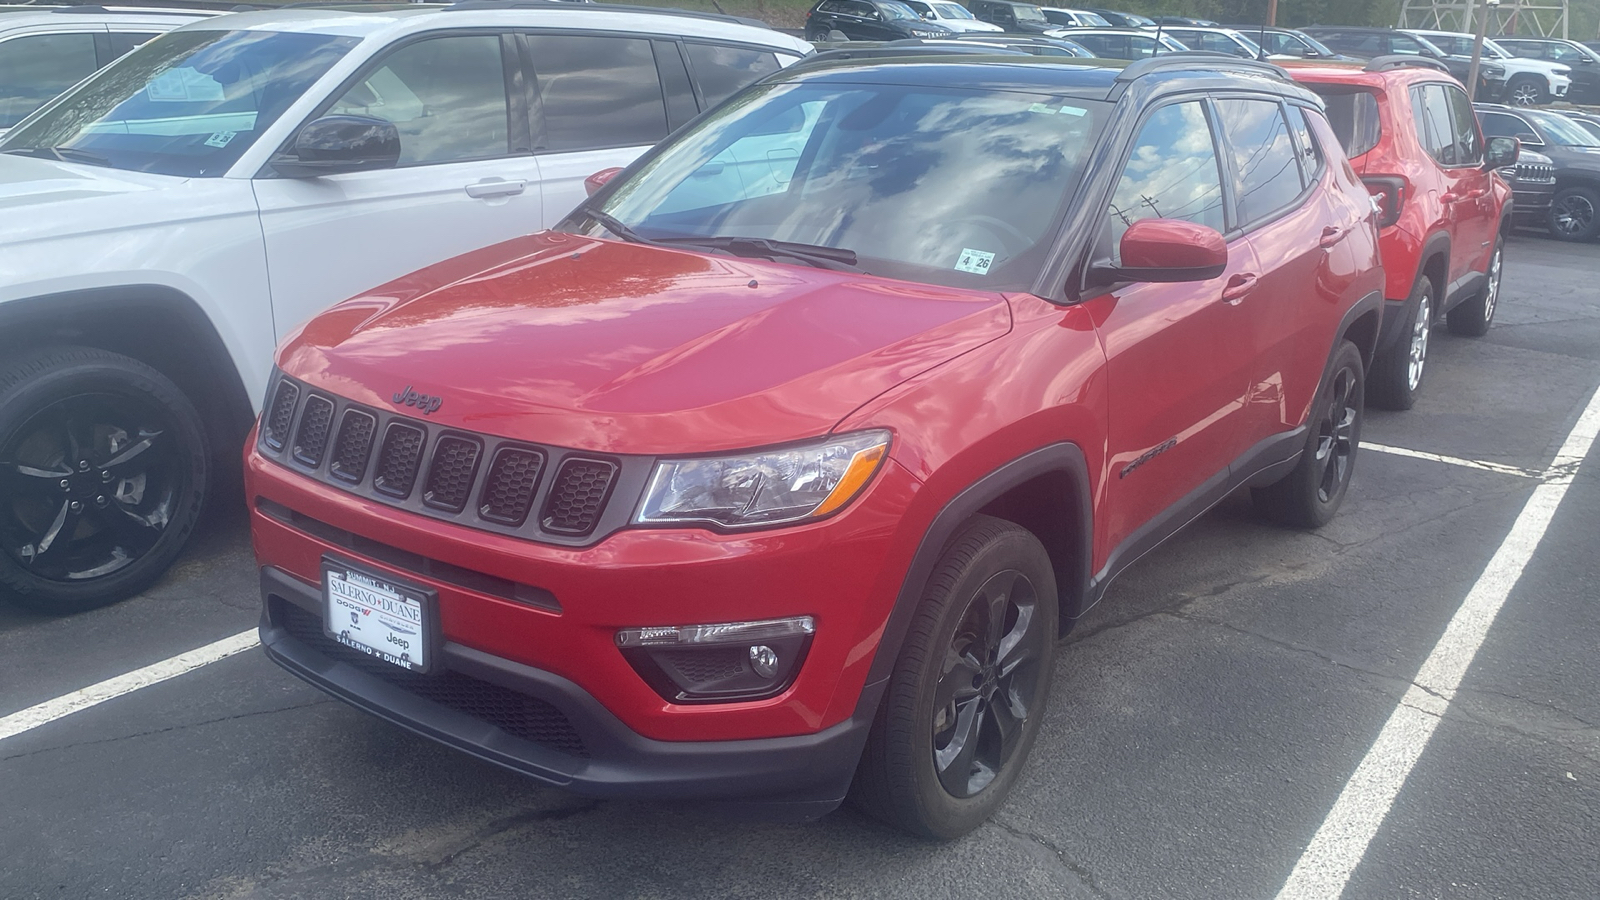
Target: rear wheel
(1573, 214)
(1526, 90)
(1473, 317)
(1398, 369)
(971, 685)
(102, 474)
(1309, 496)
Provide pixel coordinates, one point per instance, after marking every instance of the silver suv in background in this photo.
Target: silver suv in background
(1529, 82)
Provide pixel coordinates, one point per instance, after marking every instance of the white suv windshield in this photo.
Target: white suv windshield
(187, 104)
(952, 11)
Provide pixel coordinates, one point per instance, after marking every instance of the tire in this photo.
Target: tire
(1472, 318)
(1526, 90)
(1309, 496)
(916, 772)
(1574, 214)
(1398, 370)
(103, 466)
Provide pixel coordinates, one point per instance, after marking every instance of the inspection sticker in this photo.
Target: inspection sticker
(220, 139)
(975, 261)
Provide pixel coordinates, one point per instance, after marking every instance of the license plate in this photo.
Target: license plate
(378, 617)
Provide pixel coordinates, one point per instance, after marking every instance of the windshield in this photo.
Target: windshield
(1559, 129)
(898, 11)
(1029, 14)
(952, 11)
(1314, 44)
(189, 103)
(842, 169)
(1490, 50)
(1254, 48)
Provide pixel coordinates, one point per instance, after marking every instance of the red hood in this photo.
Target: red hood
(623, 348)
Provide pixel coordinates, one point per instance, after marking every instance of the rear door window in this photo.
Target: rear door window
(1266, 174)
(597, 91)
(723, 71)
(35, 68)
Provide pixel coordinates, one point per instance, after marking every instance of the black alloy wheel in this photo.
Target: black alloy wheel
(102, 473)
(1573, 216)
(1472, 318)
(1310, 495)
(970, 688)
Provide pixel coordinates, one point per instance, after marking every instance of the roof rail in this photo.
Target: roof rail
(1196, 59)
(1390, 63)
(608, 7)
(898, 50)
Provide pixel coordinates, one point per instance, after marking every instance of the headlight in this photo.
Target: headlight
(770, 487)
(923, 33)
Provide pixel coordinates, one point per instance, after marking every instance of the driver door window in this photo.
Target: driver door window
(1171, 174)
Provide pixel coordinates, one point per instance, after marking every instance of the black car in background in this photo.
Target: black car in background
(869, 20)
(1575, 209)
(1023, 18)
(1371, 43)
(1288, 42)
(1120, 19)
(1583, 61)
(1122, 43)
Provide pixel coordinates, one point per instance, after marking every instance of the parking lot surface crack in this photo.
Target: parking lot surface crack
(1076, 870)
(506, 824)
(169, 728)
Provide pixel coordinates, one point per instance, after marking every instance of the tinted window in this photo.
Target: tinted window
(1431, 108)
(447, 96)
(1353, 116)
(724, 71)
(1502, 125)
(1469, 146)
(1406, 45)
(1171, 174)
(1310, 153)
(123, 42)
(189, 104)
(1456, 46)
(1267, 176)
(35, 69)
(597, 92)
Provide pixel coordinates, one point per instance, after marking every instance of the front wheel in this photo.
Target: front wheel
(1473, 317)
(1573, 215)
(1309, 496)
(1526, 91)
(970, 688)
(102, 475)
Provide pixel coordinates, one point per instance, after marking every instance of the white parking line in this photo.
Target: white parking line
(155, 673)
(1452, 460)
(1341, 842)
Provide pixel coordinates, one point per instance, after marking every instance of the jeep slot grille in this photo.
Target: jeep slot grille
(450, 475)
(281, 414)
(311, 435)
(398, 460)
(353, 446)
(508, 491)
(578, 495)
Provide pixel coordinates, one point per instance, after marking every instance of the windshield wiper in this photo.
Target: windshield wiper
(614, 226)
(65, 154)
(835, 258)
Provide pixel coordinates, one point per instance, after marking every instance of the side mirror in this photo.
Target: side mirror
(1166, 250)
(1501, 152)
(333, 145)
(598, 180)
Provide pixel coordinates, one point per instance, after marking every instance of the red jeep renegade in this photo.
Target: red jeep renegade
(784, 462)
(1410, 132)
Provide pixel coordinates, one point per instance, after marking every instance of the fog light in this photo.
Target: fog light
(718, 663)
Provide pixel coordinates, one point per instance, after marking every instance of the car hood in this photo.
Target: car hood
(623, 348)
(41, 197)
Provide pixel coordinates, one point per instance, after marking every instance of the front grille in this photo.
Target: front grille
(513, 479)
(1536, 174)
(311, 437)
(450, 475)
(353, 446)
(280, 415)
(398, 460)
(517, 714)
(580, 490)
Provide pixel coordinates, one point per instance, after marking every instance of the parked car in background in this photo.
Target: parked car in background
(1013, 15)
(1372, 43)
(1035, 44)
(46, 49)
(167, 220)
(1216, 40)
(1528, 82)
(1074, 18)
(1444, 213)
(1121, 19)
(869, 20)
(951, 15)
(1184, 21)
(759, 495)
(1122, 43)
(1589, 121)
(1533, 187)
(1575, 153)
(1584, 62)
(1287, 43)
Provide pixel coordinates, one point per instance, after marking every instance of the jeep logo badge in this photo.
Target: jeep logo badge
(408, 397)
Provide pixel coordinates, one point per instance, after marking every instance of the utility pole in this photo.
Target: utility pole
(1272, 13)
(1477, 47)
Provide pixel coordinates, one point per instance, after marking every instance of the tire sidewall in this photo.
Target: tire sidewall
(1594, 220)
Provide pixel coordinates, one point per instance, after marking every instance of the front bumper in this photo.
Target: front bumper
(545, 726)
(1531, 203)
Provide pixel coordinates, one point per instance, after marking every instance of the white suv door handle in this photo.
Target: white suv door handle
(495, 187)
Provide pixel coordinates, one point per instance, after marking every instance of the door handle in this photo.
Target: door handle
(1238, 286)
(1331, 235)
(495, 187)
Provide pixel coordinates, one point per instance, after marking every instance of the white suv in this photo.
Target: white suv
(1529, 82)
(164, 224)
(46, 49)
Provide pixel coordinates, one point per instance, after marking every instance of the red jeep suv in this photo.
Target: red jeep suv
(782, 464)
(1410, 132)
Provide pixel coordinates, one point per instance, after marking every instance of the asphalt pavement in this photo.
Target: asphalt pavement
(1206, 717)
